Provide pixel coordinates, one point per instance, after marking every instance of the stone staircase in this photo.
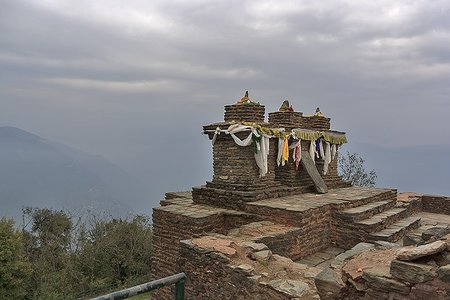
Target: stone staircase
(378, 220)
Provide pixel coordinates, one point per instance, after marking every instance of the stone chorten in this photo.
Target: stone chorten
(236, 177)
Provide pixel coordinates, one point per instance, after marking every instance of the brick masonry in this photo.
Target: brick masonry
(436, 204)
(278, 211)
(212, 276)
(244, 113)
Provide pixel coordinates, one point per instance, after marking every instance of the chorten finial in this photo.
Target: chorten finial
(318, 113)
(244, 99)
(284, 106)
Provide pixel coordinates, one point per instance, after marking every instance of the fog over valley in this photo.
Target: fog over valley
(102, 103)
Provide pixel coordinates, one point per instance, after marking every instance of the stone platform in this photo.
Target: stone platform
(308, 221)
(291, 228)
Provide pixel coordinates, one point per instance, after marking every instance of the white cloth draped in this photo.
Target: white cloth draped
(327, 152)
(261, 146)
(280, 151)
(327, 158)
(261, 156)
(321, 151)
(333, 151)
(216, 133)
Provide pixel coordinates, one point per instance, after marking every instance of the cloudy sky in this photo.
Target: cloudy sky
(134, 80)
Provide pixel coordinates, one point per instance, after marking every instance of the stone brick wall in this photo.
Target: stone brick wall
(313, 235)
(235, 166)
(245, 113)
(424, 278)
(436, 204)
(316, 123)
(286, 119)
(345, 233)
(170, 226)
(210, 276)
(288, 175)
(168, 230)
(238, 199)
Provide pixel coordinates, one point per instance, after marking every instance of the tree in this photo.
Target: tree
(351, 168)
(15, 269)
(116, 252)
(73, 260)
(47, 238)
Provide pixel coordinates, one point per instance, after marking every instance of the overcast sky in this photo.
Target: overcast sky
(134, 81)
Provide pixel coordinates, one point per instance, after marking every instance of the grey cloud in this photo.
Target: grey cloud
(135, 80)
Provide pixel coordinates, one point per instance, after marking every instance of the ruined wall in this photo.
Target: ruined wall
(313, 234)
(211, 277)
(427, 277)
(173, 223)
(346, 233)
(168, 230)
(436, 204)
(238, 199)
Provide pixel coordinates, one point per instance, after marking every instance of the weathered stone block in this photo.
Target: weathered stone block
(245, 269)
(329, 284)
(412, 253)
(412, 272)
(252, 246)
(292, 288)
(411, 239)
(444, 273)
(347, 255)
(435, 233)
(261, 256)
(379, 279)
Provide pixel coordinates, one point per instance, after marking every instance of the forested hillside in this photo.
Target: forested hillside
(55, 256)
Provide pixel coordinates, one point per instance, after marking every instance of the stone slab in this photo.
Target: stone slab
(412, 253)
(412, 272)
(293, 288)
(311, 169)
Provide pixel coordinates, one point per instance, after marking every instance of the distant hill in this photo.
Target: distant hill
(40, 173)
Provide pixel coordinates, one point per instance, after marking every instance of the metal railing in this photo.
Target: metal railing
(177, 279)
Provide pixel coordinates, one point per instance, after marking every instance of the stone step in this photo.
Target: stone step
(382, 220)
(396, 231)
(365, 211)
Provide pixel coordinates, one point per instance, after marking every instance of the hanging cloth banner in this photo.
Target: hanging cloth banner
(305, 134)
(256, 141)
(280, 151)
(261, 156)
(327, 158)
(296, 153)
(216, 133)
(321, 151)
(259, 141)
(312, 135)
(285, 150)
(312, 150)
(334, 138)
(259, 138)
(333, 151)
